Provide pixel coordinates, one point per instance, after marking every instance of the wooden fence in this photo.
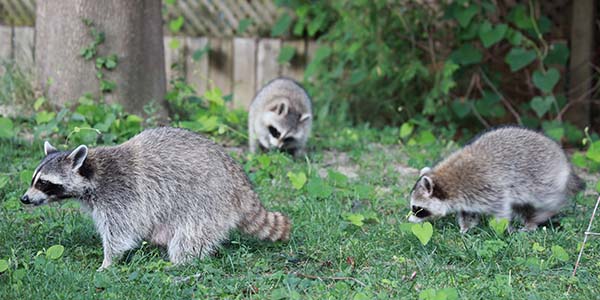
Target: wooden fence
(238, 65)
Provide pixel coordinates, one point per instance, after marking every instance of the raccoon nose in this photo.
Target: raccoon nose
(25, 199)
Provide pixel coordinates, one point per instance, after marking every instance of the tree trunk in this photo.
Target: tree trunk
(133, 31)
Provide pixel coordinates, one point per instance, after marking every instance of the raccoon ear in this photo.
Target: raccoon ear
(305, 117)
(427, 184)
(48, 148)
(424, 171)
(78, 156)
(281, 107)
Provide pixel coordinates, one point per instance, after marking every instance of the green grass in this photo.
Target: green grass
(328, 257)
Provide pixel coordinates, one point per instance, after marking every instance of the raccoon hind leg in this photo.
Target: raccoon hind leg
(187, 244)
(531, 216)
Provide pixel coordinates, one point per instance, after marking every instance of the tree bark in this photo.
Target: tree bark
(133, 31)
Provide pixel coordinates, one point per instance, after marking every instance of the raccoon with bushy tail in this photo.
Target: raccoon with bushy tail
(169, 186)
(280, 118)
(509, 173)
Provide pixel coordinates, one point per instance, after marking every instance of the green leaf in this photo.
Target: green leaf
(467, 54)
(6, 128)
(317, 188)
(423, 232)
(558, 54)
(560, 253)
(281, 26)
(554, 129)
(200, 52)
(519, 58)
(490, 35)
(175, 25)
(464, 15)
(174, 44)
(546, 82)
(519, 16)
(44, 117)
(461, 108)
(541, 105)
(25, 176)
(215, 96)
(3, 181)
(111, 62)
(406, 130)
(3, 265)
(243, 25)
(426, 138)
(598, 187)
(578, 159)
(316, 24)
(514, 37)
(286, 54)
(355, 219)
(593, 153)
(55, 252)
(38, 103)
(499, 225)
(298, 179)
(320, 54)
(170, 2)
(537, 247)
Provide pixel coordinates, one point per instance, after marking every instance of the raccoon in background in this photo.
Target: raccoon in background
(169, 186)
(280, 117)
(509, 172)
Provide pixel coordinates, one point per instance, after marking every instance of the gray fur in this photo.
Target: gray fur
(284, 105)
(499, 173)
(169, 186)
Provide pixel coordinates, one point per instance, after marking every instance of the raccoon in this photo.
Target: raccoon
(280, 117)
(508, 172)
(169, 186)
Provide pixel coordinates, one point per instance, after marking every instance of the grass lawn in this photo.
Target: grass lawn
(350, 240)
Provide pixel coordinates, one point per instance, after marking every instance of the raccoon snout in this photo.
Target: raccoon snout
(420, 212)
(25, 199)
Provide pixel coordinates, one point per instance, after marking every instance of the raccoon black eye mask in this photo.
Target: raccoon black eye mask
(133, 193)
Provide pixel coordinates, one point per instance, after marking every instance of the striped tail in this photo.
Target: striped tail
(266, 225)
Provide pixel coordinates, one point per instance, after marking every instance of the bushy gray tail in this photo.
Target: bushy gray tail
(575, 184)
(266, 225)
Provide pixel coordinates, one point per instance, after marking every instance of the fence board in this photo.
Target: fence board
(5, 43)
(196, 70)
(23, 39)
(295, 68)
(244, 71)
(220, 67)
(174, 64)
(267, 66)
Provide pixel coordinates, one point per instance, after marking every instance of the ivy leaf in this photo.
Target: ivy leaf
(557, 54)
(317, 188)
(546, 82)
(174, 44)
(461, 108)
(554, 129)
(519, 58)
(44, 117)
(406, 129)
(560, 253)
(593, 153)
(514, 37)
(298, 179)
(519, 16)
(423, 232)
(286, 54)
(175, 25)
(541, 105)
(490, 35)
(3, 265)
(464, 15)
(243, 25)
(320, 54)
(55, 252)
(6, 128)
(281, 26)
(467, 54)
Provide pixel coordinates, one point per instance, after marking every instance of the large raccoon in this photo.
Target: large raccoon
(280, 117)
(507, 172)
(169, 186)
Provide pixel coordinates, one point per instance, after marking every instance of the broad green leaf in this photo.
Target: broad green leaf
(514, 37)
(467, 54)
(215, 96)
(541, 105)
(593, 153)
(461, 108)
(464, 15)
(243, 25)
(554, 129)
(174, 43)
(355, 219)
(55, 252)
(578, 159)
(537, 247)
(175, 25)
(558, 54)
(316, 23)
(491, 35)
(317, 188)
(423, 232)
(38, 103)
(3, 180)
(298, 179)
(426, 138)
(281, 26)
(286, 54)
(519, 58)
(520, 17)
(406, 130)
(560, 253)
(170, 2)
(546, 82)
(6, 128)
(499, 225)
(3, 265)
(320, 54)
